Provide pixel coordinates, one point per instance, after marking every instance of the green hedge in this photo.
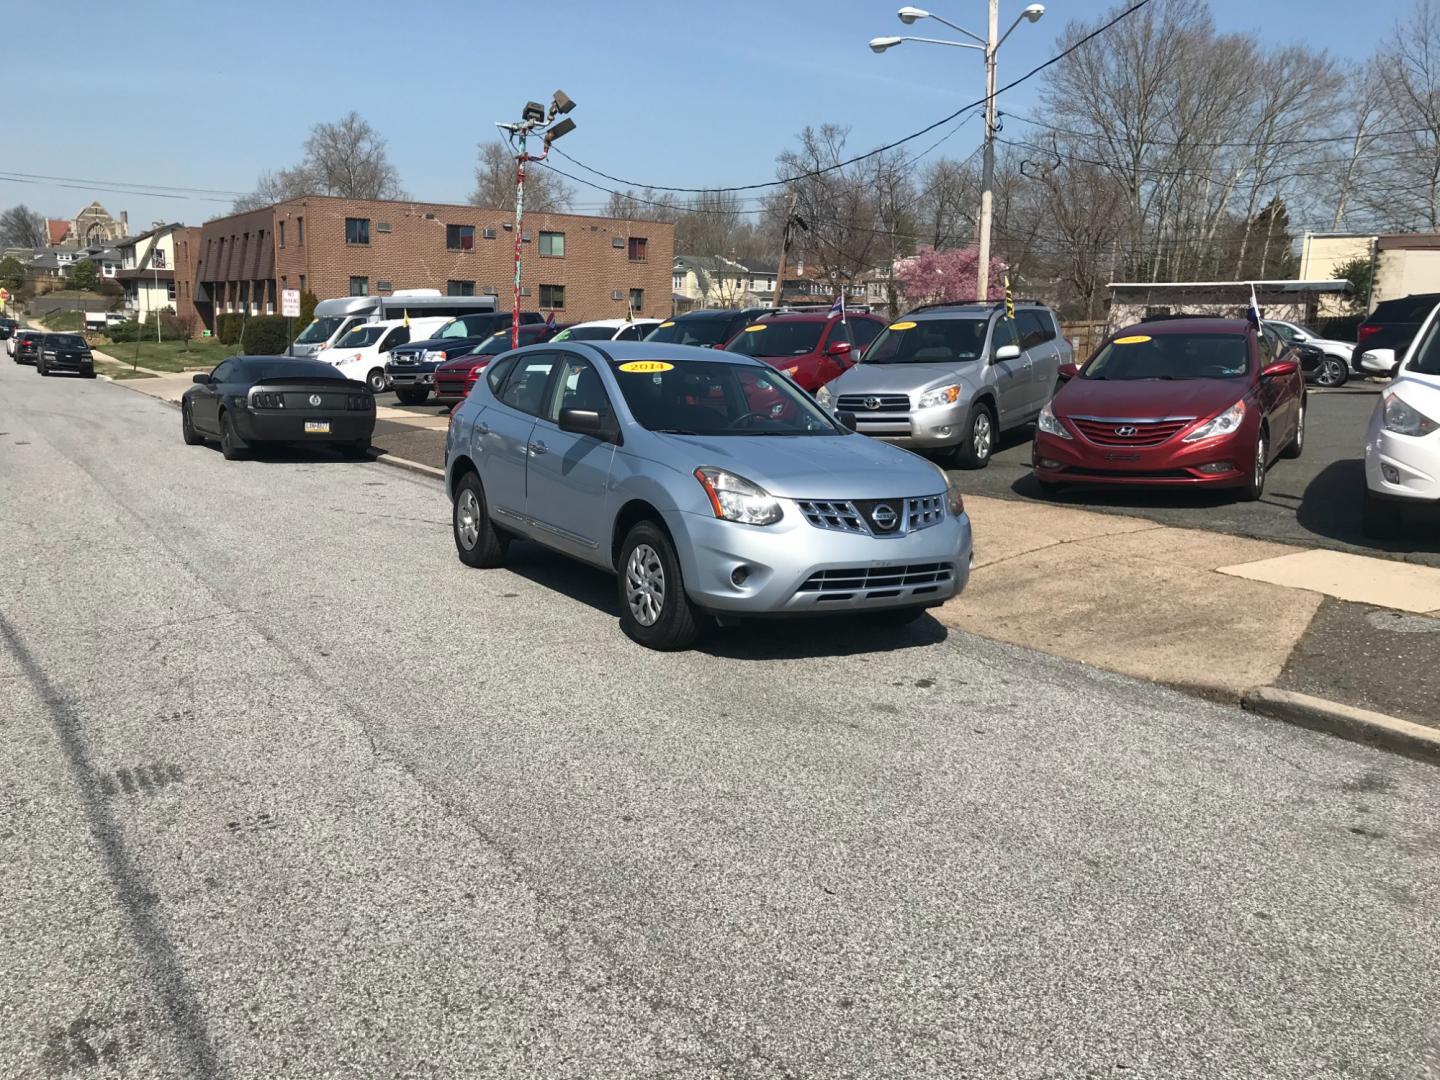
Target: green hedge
(264, 336)
(308, 300)
(227, 327)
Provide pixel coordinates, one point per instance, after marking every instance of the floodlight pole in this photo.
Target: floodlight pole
(987, 182)
(519, 222)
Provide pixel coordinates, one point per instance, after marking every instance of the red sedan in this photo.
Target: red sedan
(454, 378)
(1187, 402)
(811, 347)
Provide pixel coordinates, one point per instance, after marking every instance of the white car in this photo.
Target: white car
(608, 330)
(1335, 365)
(361, 352)
(1378, 361)
(1402, 447)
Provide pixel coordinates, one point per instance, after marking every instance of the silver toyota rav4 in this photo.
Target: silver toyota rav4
(708, 482)
(948, 378)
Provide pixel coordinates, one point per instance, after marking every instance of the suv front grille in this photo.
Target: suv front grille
(859, 403)
(925, 511)
(841, 516)
(877, 582)
(858, 516)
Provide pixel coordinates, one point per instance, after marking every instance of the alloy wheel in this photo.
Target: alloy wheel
(645, 585)
(467, 519)
(1331, 373)
(1259, 462)
(982, 436)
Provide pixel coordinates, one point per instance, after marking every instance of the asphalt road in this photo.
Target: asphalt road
(289, 793)
(1313, 500)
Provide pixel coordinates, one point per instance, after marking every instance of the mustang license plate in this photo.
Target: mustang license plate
(317, 427)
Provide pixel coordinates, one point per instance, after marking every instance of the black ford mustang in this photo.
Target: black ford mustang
(274, 399)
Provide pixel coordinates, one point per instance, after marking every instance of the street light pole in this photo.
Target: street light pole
(520, 159)
(987, 180)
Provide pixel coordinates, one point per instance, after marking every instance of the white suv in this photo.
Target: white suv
(361, 352)
(1402, 447)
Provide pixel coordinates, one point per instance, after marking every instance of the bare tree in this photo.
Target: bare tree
(345, 158)
(545, 192)
(645, 205)
(22, 227)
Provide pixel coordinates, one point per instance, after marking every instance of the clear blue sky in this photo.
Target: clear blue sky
(206, 95)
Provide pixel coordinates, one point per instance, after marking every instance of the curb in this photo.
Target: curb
(411, 466)
(1346, 722)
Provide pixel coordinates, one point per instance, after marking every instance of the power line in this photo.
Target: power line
(1241, 145)
(879, 149)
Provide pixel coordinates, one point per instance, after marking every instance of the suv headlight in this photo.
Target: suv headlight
(1051, 426)
(733, 498)
(1227, 423)
(1404, 419)
(945, 395)
(824, 397)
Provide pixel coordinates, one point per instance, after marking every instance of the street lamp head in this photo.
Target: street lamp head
(1033, 12)
(561, 103)
(880, 44)
(564, 127)
(533, 112)
(908, 15)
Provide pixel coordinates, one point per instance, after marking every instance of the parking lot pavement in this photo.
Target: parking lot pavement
(1313, 501)
(290, 793)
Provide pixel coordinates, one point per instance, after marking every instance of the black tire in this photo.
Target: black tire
(1297, 444)
(231, 445)
(187, 426)
(978, 445)
(1381, 519)
(88, 373)
(1252, 491)
(40, 366)
(1332, 372)
(408, 395)
(892, 616)
(376, 380)
(477, 542)
(676, 621)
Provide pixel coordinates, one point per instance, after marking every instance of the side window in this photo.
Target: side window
(496, 375)
(525, 388)
(577, 387)
(224, 371)
(629, 333)
(1031, 332)
(1002, 334)
(840, 332)
(863, 331)
(1268, 352)
(398, 336)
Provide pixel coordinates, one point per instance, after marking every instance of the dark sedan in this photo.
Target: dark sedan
(8, 326)
(250, 400)
(27, 346)
(65, 352)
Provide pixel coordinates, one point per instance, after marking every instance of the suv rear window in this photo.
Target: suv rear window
(1405, 309)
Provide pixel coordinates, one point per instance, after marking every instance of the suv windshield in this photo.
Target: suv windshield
(467, 326)
(700, 397)
(361, 336)
(929, 341)
(1426, 360)
(777, 339)
(67, 341)
(320, 330)
(706, 331)
(1171, 356)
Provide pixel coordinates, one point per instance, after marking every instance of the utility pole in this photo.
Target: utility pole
(987, 181)
(787, 235)
(533, 120)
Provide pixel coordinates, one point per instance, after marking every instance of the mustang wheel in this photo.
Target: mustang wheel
(476, 541)
(654, 609)
(231, 445)
(187, 427)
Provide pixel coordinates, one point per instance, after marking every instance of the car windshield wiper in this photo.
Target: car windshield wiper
(673, 431)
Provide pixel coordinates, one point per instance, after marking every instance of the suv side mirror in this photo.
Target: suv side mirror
(1008, 352)
(203, 378)
(588, 422)
(1067, 371)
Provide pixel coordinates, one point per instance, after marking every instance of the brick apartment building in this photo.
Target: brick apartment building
(579, 267)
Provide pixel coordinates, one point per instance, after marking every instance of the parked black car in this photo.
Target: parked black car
(249, 400)
(27, 346)
(8, 326)
(65, 352)
(1392, 325)
(411, 367)
(708, 327)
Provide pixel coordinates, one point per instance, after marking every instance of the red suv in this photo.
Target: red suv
(1190, 402)
(812, 348)
(454, 378)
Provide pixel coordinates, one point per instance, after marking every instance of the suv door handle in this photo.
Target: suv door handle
(537, 448)
(482, 428)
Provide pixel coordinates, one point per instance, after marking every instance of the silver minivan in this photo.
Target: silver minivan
(948, 378)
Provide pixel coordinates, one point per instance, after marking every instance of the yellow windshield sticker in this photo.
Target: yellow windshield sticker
(665, 324)
(902, 326)
(752, 329)
(1133, 339)
(640, 366)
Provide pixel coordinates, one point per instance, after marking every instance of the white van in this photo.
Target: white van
(361, 352)
(336, 317)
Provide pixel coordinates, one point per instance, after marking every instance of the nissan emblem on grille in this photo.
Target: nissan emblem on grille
(884, 517)
(1125, 431)
(872, 403)
(315, 400)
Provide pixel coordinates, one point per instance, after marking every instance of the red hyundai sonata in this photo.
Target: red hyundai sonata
(1187, 402)
(455, 378)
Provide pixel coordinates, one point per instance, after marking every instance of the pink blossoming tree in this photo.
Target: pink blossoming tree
(932, 276)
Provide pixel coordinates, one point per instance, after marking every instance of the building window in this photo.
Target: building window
(677, 282)
(299, 232)
(302, 282)
(357, 231)
(637, 299)
(170, 291)
(359, 286)
(552, 244)
(459, 288)
(280, 233)
(460, 237)
(637, 249)
(552, 297)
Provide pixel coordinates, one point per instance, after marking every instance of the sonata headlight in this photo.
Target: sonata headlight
(733, 498)
(1048, 423)
(1227, 423)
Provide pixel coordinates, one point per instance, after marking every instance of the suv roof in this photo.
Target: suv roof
(1205, 324)
(810, 316)
(1404, 308)
(728, 312)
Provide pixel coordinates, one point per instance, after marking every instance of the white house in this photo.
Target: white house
(147, 271)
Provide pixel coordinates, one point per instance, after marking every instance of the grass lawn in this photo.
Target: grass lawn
(203, 353)
(63, 320)
(119, 371)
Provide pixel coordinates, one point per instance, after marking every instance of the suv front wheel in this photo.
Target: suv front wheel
(979, 443)
(654, 610)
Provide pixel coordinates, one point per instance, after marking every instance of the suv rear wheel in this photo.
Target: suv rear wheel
(476, 541)
(654, 610)
(975, 449)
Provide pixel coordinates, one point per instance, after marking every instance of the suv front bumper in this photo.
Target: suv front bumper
(934, 428)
